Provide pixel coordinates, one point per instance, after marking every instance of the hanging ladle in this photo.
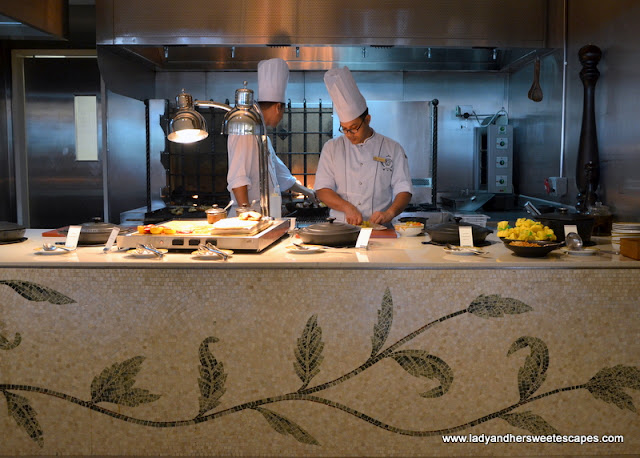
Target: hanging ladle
(535, 93)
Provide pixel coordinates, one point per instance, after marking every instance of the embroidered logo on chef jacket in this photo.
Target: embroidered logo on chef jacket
(387, 162)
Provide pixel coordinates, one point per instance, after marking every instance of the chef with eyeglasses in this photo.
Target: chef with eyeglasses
(243, 176)
(362, 175)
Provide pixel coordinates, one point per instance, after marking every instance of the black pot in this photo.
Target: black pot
(450, 232)
(557, 220)
(96, 232)
(10, 232)
(330, 233)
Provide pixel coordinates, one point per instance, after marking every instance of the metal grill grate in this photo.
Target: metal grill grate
(299, 138)
(196, 174)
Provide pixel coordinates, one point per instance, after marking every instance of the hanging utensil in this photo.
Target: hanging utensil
(531, 209)
(535, 93)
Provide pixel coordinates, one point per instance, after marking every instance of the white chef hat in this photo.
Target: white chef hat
(348, 102)
(273, 75)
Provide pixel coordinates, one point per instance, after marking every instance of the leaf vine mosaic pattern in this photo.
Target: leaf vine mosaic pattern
(115, 384)
(309, 352)
(37, 293)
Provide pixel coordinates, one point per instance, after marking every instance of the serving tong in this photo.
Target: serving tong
(144, 249)
(450, 247)
(52, 247)
(211, 248)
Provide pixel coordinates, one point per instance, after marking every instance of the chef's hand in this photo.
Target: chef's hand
(311, 195)
(353, 216)
(382, 217)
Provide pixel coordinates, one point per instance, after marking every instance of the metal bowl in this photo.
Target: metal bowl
(541, 249)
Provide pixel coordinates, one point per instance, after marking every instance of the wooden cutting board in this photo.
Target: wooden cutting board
(386, 234)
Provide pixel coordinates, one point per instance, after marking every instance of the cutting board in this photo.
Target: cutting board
(385, 234)
(54, 233)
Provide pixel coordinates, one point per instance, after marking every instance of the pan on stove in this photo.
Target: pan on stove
(11, 232)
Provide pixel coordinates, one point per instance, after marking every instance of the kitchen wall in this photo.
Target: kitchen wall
(486, 92)
(611, 27)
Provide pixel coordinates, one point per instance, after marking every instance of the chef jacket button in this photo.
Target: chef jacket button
(359, 203)
(361, 183)
(361, 163)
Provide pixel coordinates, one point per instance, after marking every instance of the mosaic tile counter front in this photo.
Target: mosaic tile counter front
(376, 363)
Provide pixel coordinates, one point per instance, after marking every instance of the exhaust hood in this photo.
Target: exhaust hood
(366, 35)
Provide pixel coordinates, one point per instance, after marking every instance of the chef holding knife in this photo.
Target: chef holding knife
(362, 175)
(243, 176)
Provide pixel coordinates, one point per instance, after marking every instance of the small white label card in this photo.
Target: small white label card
(362, 256)
(363, 237)
(292, 224)
(72, 237)
(466, 235)
(112, 238)
(570, 228)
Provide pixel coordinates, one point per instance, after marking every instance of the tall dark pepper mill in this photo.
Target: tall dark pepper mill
(588, 166)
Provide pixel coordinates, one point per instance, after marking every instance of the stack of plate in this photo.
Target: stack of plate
(622, 230)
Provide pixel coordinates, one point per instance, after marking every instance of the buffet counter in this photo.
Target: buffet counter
(382, 253)
(397, 350)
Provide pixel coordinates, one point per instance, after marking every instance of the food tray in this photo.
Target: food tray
(236, 226)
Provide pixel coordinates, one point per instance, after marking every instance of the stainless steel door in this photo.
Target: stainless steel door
(62, 189)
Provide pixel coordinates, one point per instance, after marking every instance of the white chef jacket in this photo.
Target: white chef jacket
(244, 167)
(369, 175)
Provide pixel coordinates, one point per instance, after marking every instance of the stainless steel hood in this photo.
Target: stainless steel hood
(366, 35)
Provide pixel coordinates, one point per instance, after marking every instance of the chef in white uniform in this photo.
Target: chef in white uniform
(243, 176)
(362, 175)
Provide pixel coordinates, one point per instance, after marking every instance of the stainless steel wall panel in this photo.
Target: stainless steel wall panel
(611, 27)
(126, 154)
(537, 126)
(169, 85)
(484, 91)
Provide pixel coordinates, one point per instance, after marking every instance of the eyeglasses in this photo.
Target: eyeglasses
(351, 131)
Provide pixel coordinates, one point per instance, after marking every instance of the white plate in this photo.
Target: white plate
(209, 255)
(464, 251)
(310, 249)
(135, 254)
(40, 250)
(583, 252)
